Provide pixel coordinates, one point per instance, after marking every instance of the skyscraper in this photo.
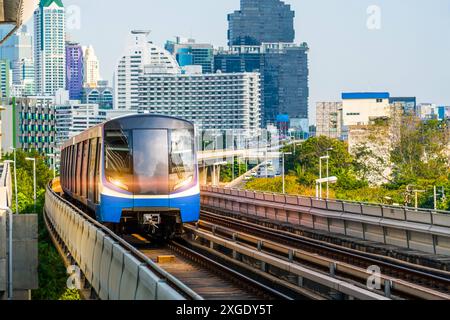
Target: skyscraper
(18, 50)
(74, 70)
(261, 21)
(284, 76)
(261, 38)
(91, 67)
(49, 47)
(19, 46)
(140, 52)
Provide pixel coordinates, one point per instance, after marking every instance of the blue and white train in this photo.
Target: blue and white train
(135, 171)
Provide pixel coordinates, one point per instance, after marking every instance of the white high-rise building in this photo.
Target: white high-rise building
(220, 101)
(139, 52)
(91, 67)
(49, 47)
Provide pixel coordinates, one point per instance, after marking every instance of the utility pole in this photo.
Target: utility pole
(320, 175)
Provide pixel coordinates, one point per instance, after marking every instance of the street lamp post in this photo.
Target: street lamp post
(320, 175)
(284, 182)
(328, 172)
(15, 184)
(34, 180)
(15, 179)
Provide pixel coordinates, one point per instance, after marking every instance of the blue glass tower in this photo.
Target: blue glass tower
(261, 21)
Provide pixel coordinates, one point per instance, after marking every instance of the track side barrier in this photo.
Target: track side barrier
(114, 269)
(415, 229)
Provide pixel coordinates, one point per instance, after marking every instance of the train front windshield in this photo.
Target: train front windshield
(150, 162)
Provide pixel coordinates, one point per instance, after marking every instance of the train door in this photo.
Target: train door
(151, 169)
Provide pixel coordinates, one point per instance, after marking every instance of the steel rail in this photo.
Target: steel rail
(438, 275)
(219, 266)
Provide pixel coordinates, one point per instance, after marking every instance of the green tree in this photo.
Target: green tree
(52, 273)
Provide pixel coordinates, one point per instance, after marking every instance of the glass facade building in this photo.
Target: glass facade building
(284, 76)
(188, 52)
(260, 21)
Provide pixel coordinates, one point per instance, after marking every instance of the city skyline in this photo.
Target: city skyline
(389, 57)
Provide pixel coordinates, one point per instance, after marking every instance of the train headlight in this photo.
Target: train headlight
(118, 183)
(183, 183)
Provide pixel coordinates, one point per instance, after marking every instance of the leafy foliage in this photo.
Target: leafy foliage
(420, 160)
(52, 273)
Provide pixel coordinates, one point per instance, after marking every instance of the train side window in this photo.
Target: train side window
(92, 166)
(74, 168)
(78, 172)
(61, 178)
(97, 172)
(69, 169)
(84, 169)
(63, 165)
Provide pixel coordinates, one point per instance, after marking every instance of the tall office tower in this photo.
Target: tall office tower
(4, 79)
(188, 52)
(18, 47)
(49, 47)
(74, 70)
(284, 76)
(91, 67)
(261, 21)
(139, 52)
(18, 50)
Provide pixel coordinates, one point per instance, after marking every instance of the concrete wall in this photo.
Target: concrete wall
(25, 255)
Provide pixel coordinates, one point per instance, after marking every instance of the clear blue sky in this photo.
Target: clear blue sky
(410, 55)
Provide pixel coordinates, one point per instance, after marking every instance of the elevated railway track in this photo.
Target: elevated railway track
(405, 279)
(226, 258)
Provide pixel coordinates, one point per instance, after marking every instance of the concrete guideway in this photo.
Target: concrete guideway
(114, 269)
(117, 270)
(425, 231)
(294, 251)
(330, 282)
